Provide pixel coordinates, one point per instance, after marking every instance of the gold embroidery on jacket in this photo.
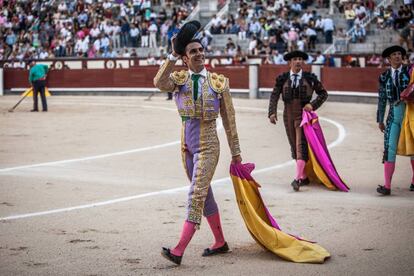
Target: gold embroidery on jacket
(180, 77)
(219, 83)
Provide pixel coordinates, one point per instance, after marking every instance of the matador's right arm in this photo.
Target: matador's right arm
(162, 79)
(382, 100)
(274, 97)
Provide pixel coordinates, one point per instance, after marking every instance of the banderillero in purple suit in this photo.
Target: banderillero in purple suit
(199, 105)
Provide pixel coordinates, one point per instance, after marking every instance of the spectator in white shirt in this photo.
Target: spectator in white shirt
(328, 28)
(153, 29)
(311, 35)
(134, 33)
(278, 58)
(116, 35)
(306, 17)
(320, 59)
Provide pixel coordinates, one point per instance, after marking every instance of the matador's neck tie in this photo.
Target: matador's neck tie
(195, 78)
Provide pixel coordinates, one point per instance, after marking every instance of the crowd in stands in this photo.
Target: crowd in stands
(86, 28)
(115, 28)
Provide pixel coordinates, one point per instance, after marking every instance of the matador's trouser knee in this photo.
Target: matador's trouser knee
(292, 117)
(392, 131)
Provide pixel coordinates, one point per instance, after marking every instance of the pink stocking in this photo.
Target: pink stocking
(186, 235)
(412, 167)
(215, 225)
(300, 169)
(389, 168)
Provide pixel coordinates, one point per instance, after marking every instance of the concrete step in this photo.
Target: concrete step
(220, 40)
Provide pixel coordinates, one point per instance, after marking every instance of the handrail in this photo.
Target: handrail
(365, 21)
(193, 14)
(224, 9)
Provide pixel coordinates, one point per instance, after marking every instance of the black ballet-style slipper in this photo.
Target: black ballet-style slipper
(295, 184)
(412, 187)
(166, 253)
(304, 182)
(221, 250)
(382, 190)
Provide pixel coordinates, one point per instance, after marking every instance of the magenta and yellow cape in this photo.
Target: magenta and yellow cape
(320, 167)
(263, 227)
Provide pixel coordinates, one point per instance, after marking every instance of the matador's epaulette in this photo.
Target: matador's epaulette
(219, 83)
(180, 77)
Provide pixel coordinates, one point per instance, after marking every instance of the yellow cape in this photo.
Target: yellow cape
(284, 245)
(406, 140)
(29, 92)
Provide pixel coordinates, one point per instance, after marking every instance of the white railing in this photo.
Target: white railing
(224, 10)
(193, 14)
(365, 21)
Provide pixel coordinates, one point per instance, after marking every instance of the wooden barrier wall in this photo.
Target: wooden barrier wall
(351, 79)
(334, 79)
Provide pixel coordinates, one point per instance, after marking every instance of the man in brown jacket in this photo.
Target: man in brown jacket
(297, 88)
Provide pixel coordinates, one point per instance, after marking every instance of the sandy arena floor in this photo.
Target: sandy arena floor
(96, 187)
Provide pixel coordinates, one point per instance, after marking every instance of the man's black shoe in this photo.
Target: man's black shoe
(166, 253)
(295, 184)
(412, 187)
(221, 250)
(382, 190)
(34, 110)
(304, 182)
(44, 110)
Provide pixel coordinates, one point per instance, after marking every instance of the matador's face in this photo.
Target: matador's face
(395, 59)
(194, 56)
(296, 64)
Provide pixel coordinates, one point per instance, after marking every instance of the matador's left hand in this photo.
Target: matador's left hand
(308, 107)
(236, 159)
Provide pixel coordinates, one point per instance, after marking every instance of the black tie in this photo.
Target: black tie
(396, 79)
(295, 80)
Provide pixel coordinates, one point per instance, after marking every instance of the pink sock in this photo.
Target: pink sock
(412, 167)
(215, 225)
(186, 235)
(300, 169)
(389, 168)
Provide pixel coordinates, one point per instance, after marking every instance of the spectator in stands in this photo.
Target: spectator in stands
(405, 36)
(370, 6)
(292, 38)
(230, 47)
(360, 11)
(153, 30)
(240, 57)
(320, 59)
(301, 43)
(255, 28)
(252, 45)
(144, 35)
(349, 16)
(278, 57)
(311, 37)
(389, 16)
(374, 60)
(358, 34)
(328, 29)
(151, 60)
(296, 8)
(164, 32)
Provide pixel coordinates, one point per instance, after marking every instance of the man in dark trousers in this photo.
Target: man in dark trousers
(391, 83)
(297, 88)
(37, 77)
